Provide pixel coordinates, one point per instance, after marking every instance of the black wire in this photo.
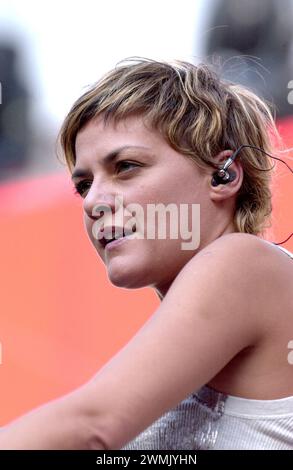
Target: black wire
(260, 169)
(281, 243)
(263, 151)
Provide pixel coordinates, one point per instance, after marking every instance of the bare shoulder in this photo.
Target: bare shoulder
(248, 279)
(251, 266)
(243, 253)
(241, 245)
(245, 243)
(235, 261)
(261, 275)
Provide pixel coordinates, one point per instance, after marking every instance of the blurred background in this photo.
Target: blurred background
(59, 320)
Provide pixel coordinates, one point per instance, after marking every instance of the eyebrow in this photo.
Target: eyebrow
(109, 158)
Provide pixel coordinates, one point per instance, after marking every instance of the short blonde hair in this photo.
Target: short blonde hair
(198, 114)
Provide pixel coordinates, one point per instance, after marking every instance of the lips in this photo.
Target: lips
(108, 234)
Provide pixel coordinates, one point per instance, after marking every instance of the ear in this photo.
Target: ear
(225, 191)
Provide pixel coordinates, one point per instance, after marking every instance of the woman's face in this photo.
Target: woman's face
(146, 172)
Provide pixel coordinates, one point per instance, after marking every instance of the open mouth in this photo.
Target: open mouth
(122, 233)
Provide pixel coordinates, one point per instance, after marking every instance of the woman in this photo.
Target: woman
(210, 368)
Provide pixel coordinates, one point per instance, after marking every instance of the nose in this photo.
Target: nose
(98, 203)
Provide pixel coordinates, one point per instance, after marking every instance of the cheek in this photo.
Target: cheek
(169, 189)
(88, 226)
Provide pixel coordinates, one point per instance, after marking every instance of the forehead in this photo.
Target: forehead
(98, 142)
(99, 138)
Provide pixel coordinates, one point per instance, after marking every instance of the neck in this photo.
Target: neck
(162, 290)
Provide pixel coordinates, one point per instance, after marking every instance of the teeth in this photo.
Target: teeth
(105, 240)
(114, 238)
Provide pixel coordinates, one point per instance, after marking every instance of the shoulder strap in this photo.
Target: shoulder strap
(284, 250)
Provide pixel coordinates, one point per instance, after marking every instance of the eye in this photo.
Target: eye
(81, 187)
(125, 162)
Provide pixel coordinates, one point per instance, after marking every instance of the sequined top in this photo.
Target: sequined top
(208, 419)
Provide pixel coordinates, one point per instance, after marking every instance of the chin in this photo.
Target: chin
(126, 283)
(127, 277)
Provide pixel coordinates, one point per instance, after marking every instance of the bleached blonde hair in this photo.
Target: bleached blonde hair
(198, 114)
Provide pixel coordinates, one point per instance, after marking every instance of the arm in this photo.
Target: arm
(206, 319)
(66, 423)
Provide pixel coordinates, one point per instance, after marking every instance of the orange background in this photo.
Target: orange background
(61, 319)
